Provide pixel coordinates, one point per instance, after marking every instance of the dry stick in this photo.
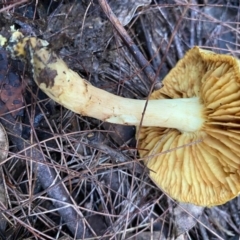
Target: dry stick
(48, 178)
(10, 6)
(144, 64)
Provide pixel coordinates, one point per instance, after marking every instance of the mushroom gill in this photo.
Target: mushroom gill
(201, 167)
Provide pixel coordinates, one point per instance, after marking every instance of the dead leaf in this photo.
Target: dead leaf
(186, 216)
(10, 86)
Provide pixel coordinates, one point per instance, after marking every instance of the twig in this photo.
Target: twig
(10, 6)
(144, 64)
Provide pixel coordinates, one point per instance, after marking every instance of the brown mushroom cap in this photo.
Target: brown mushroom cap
(200, 167)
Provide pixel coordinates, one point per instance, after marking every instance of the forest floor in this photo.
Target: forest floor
(67, 176)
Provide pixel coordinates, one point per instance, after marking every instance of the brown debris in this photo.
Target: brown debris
(47, 76)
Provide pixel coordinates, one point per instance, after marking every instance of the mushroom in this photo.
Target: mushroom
(189, 135)
(202, 166)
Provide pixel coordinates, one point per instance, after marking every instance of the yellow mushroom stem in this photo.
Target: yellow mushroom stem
(66, 87)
